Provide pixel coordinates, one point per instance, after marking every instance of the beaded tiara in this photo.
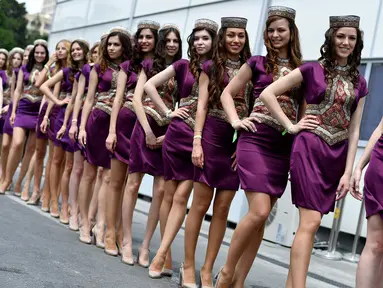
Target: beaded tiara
(104, 35)
(233, 22)
(282, 11)
(82, 41)
(40, 42)
(169, 26)
(206, 23)
(4, 51)
(29, 47)
(344, 21)
(121, 30)
(148, 24)
(16, 50)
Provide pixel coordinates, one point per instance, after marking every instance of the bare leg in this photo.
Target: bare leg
(154, 216)
(129, 202)
(18, 140)
(94, 202)
(260, 205)
(177, 214)
(27, 185)
(74, 183)
(202, 197)
(39, 169)
(64, 215)
(117, 178)
(28, 154)
(99, 229)
(54, 178)
(301, 250)
(369, 267)
(5, 148)
(89, 175)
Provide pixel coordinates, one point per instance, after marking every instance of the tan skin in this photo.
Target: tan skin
(176, 192)
(3, 59)
(119, 169)
(58, 153)
(7, 139)
(345, 40)
(370, 264)
(250, 229)
(41, 145)
(135, 179)
(115, 52)
(19, 134)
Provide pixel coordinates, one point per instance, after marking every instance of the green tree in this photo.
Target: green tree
(13, 25)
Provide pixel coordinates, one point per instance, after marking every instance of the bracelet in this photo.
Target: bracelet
(197, 137)
(45, 117)
(168, 113)
(288, 130)
(74, 120)
(235, 121)
(46, 67)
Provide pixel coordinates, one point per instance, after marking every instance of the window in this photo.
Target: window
(373, 108)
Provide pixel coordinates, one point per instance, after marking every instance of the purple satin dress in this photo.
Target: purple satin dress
(178, 144)
(28, 107)
(97, 126)
(141, 158)
(8, 129)
(66, 88)
(5, 83)
(263, 157)
(217, 137)
(318, 157)
(126, 118)
(373, 181)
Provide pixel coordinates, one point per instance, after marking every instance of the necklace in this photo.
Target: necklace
(283, 60)
(342, 68)
(233, 64)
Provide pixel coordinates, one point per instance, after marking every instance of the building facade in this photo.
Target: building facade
(89, 18)
(48, 7)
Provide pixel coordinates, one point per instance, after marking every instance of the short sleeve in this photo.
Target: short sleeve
(207, 66)
(86, 71)
(147, 65)
(180, 65)
(97, 68)
(66, 72)
(252, 62)
(126, 66)
(307, 71)
(362, 87)
(24, 69)
(77, 76)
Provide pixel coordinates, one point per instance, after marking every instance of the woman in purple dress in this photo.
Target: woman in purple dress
(3, 59)
(47, 117)
(44, 129)
(82, 78)
(178, 143)
(146, 141)
(261, 139)
(369, 267)
(213, 146)
(25, 108)
(94, 127)
(64, 149)
(122, 121)
(334, 92)
(8, 83)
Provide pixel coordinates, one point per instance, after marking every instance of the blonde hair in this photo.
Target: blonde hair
(59, 64)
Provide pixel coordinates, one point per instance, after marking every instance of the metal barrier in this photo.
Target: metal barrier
(353, 257)
(331, 253)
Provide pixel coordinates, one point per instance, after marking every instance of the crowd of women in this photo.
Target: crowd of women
(130, 106)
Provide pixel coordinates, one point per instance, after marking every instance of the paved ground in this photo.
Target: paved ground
(37, 251)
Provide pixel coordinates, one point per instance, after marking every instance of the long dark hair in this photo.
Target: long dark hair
(31, 58)
(5, 62)
(217, 70)
(159, 60)
(328, 54)
(294, 50)
(77, 65)
(138, 54)
(194, 64)
(127, 52)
